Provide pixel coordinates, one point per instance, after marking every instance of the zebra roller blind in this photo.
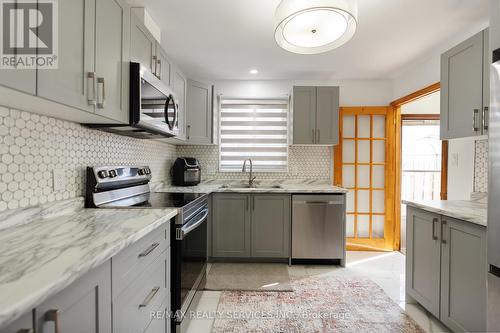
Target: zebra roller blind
(256, 130)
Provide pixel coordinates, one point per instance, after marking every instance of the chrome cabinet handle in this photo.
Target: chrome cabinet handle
(486, 119)
(25, 330)
(158, 69)
(434, 221)
(53, 316)
(101, 104)
(149, 297)
(443, 223)
(475, 128)
(188, 132)
(148, 250)
(91, 82)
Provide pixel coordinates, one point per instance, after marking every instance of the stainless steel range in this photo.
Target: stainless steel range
(128, 187)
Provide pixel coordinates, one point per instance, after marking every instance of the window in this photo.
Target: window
(256, 130)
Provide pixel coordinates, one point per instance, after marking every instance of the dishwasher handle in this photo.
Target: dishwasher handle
(317, 203)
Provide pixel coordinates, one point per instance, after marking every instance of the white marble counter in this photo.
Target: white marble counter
(474, 211)
(51, 248)
(266, 186)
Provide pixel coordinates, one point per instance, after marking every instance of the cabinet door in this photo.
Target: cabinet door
(20, 79)
(142, 44)
(462, 89)
(21, 325)
(304, 115)
(270, 225)
(199, 113)
(327, 115)
(112, 54)
(163, 65)
(70, 83)
(423, 258)
(231, 225)
(487, 60)
(463, 276)
(179, 83)
(83, 307)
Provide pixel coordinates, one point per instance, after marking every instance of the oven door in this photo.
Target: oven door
(189, 263)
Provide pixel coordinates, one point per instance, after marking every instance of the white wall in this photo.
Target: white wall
(429, 104)
(460, 169)
(352, 92)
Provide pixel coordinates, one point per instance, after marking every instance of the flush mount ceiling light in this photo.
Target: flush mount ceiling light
(314, 26)
(254, 71)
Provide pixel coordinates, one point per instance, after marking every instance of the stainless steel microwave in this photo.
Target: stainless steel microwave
(154, 109)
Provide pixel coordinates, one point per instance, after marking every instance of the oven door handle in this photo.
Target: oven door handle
(181, 232)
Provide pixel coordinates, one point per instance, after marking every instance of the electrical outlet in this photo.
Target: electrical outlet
(59, 180)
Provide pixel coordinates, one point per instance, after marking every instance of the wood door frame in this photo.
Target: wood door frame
(396, 106)
(390, 234)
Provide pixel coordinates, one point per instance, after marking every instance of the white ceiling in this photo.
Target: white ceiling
(224, 39)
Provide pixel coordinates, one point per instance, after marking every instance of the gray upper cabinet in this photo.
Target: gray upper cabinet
(423, 255)
(179, 85)
(112, 54)
(84, 307)
(327, 115)
(231, 225)
(270, 225)
(315, 115)
(73, 83)
(163, 65)
(487, 60)
(142, 44)
(199, 113)
(463, 276)
(463, 83)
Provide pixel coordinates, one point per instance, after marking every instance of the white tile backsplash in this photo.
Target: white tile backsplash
(32, 146)
(304, 162)
(481, 166)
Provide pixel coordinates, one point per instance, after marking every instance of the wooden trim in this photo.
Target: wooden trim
(444, 170)
(417, 94)
(420, 117)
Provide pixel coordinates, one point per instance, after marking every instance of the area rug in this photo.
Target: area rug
(318, 304)
(248, 277)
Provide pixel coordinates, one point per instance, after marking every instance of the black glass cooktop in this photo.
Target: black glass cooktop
(165, 200)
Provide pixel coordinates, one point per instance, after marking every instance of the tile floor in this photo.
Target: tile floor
(385, 269)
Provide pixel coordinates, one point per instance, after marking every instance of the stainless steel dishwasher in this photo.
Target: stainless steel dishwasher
(318, 229)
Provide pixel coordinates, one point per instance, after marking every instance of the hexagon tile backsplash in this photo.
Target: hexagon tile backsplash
(481, 166)
(32, 146)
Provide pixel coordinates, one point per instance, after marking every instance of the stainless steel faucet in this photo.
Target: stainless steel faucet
(250, 178)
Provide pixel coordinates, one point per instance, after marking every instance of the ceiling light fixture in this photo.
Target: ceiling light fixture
(314, 26)
(254, 71)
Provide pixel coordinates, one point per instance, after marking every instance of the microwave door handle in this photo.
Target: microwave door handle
(167, 102)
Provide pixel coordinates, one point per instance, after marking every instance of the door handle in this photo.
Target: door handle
(91, 82)
(434, 221)
(475, 113)
(149, 297)
(486, 119)
(53, 316)
(102, 102)
(443, 223)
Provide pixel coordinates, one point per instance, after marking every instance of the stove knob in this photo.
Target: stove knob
(148, 171)
(102, 174)
(112, 173)
(141, 172)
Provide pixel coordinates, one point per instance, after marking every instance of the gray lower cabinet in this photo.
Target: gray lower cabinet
(21, 325)
(251, 225)
(270, 225)
(199, 112)
(231, 225)
(464, 83)
(315, 115)
(423, 258)
(446, 269)
(463, 276)
(73, 82)
(84, 307)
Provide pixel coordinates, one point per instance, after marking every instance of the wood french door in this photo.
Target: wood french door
(364, 164)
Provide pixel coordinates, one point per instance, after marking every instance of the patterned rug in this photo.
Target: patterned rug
(318, 304)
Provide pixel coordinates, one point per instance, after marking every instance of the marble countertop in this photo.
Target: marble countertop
(266, 186)
(54, 245)
(474, 211)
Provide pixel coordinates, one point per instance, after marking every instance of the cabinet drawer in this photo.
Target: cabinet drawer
(132, 309)
(132, 261)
